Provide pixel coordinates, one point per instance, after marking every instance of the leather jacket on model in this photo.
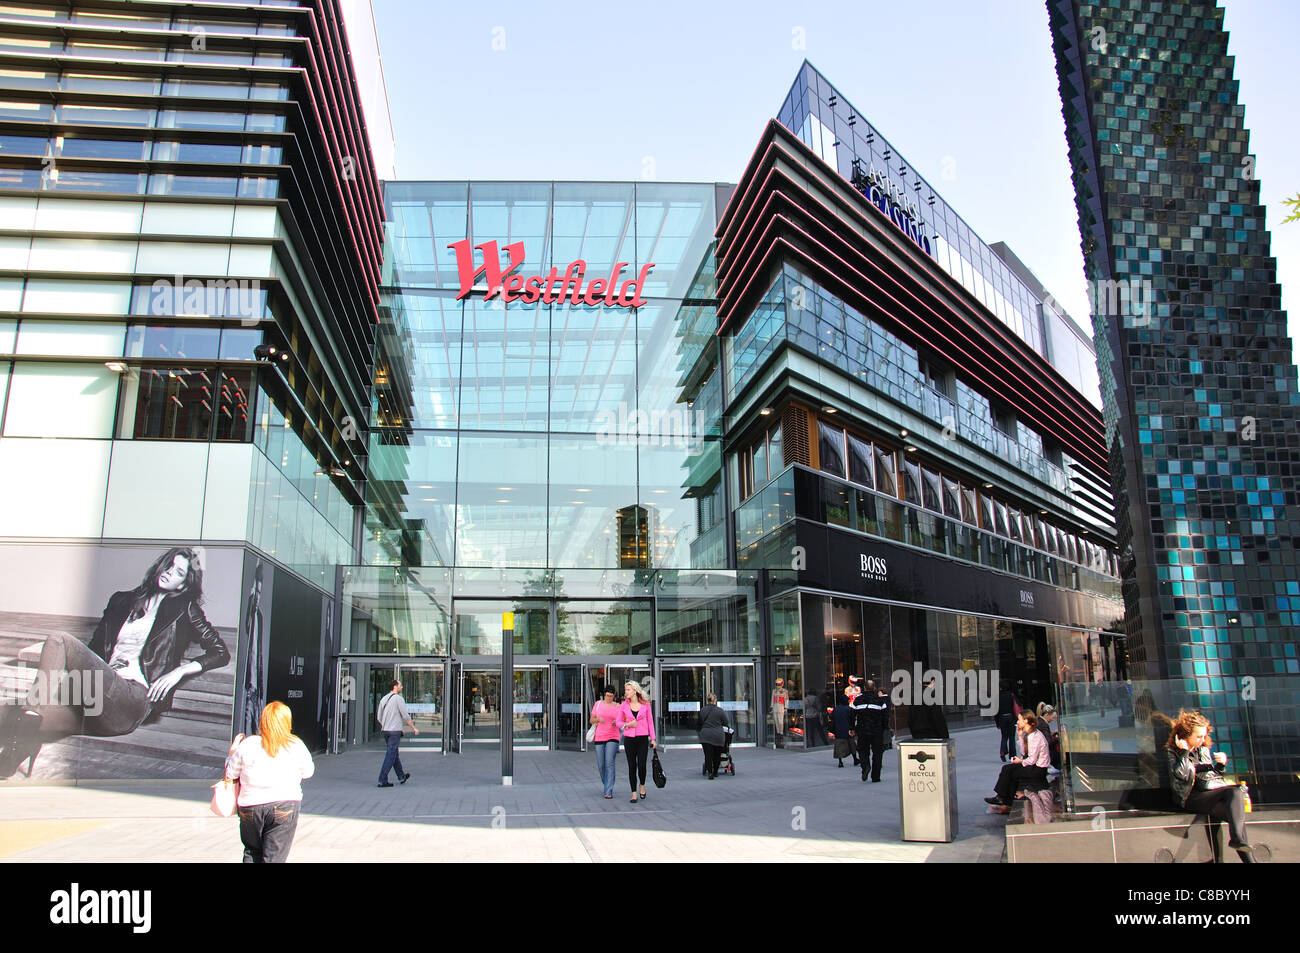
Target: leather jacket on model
(178, 624)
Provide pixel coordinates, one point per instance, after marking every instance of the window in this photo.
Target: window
(911, 482)
(758, 455)
(168, 404)
(830, 448)
(1000, 515)
(886, 472)
(931, 490)
(234, 413)
(172, 343)
(970, 513)
(102, 148)
(860, 462)
(1013, 524)
(952, 498)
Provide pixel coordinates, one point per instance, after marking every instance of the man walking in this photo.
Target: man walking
(392, 714)
(871, 711)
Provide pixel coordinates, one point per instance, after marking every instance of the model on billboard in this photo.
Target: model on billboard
(255, 660)
(133, 664)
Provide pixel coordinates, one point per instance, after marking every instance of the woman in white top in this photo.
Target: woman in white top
(270, 768)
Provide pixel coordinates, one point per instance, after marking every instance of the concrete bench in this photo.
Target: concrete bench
(1149, 836)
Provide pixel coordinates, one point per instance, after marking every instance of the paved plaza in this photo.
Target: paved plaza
(780, 805)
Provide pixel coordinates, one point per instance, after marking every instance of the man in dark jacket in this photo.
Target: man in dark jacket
(925, 720)
(871, 710)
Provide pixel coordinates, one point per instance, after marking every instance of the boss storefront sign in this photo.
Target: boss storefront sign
(552, 288)
(838, 560)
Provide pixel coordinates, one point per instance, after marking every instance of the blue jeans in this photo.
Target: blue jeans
(391, 757)
(606, 759)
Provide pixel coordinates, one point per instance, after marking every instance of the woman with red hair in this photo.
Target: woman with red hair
(270, 768)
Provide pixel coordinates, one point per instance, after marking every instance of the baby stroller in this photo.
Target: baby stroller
(726, 763)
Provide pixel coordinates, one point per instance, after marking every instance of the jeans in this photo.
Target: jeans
(123, 705)
(606, 762)
(638, 752)
(1007, 745)
(267, 831)
(391, 757)
(1222, 804)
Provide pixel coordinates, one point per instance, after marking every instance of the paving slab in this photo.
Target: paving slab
(787, 805)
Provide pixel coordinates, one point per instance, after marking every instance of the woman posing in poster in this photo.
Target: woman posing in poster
(133, 664)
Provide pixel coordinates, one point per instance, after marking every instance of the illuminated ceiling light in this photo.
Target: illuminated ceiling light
(426, 486)
(911, 449)
(903, 432)
(582, 489)
(117, 367)
(829, 410)
(766, 411)
(503, 501)
(988, 486)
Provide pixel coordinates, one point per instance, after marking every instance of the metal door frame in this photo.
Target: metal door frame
(584, 704)
(708, 663)
(414, 663)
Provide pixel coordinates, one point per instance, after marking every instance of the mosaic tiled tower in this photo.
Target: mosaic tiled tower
(1197, 376)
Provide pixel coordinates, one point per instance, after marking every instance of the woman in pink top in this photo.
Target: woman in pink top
(605, 716)
(638, 724)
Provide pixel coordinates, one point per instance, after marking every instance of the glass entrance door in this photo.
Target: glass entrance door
(481, 707)
(422, 688)
(571, 707)
(685, 688)
(481, 696)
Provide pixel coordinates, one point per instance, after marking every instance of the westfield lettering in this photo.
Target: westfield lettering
(554, 288)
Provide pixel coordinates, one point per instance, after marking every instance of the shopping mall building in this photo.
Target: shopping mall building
(705, 436)
(804, 427)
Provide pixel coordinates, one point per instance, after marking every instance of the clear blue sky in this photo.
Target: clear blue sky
(607, 90)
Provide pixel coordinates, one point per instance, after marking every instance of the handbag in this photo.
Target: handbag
(591, 733)
(657, 770)
(225, 793)
(888, 737)
(225, 798)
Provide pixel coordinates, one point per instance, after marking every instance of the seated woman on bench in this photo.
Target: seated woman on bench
(1030, 769)
(1197, 779)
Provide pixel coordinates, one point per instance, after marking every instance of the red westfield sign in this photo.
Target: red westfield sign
(554, 288)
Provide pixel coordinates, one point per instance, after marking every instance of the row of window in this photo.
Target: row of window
(144, 117)
(149, 21)
(82, 81)
(883, 469)
(75, 147)
(140, 183)
(140, 52)
(178, 402)
(222, 298)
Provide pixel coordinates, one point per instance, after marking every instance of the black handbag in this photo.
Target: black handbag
(657, 771)
(888, 739)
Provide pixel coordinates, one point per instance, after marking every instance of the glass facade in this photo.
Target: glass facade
(837, 132)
